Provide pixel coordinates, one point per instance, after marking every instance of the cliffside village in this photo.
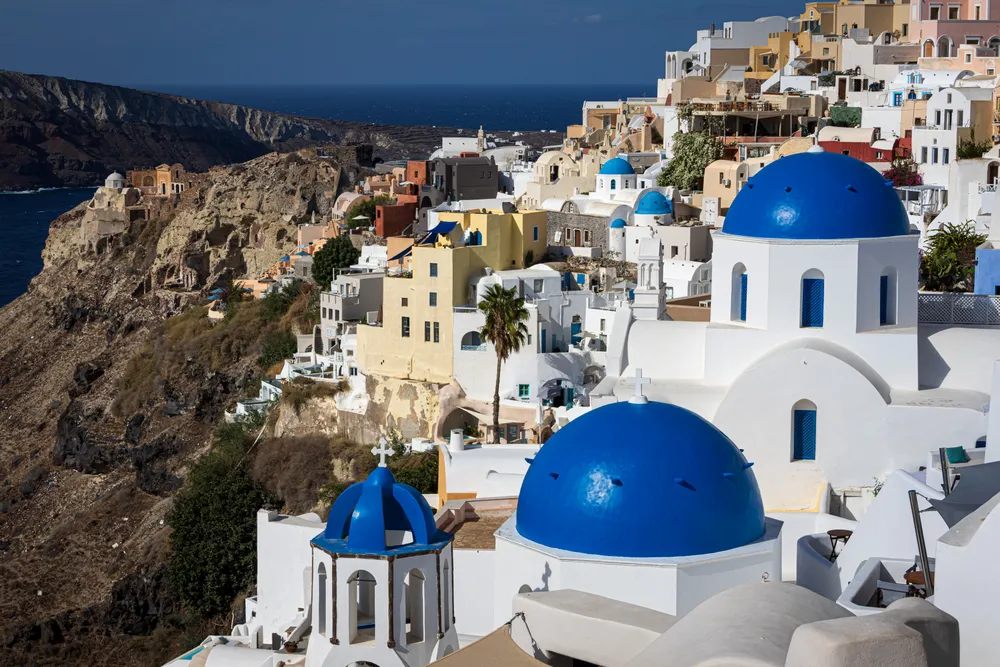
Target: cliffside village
(741, 381)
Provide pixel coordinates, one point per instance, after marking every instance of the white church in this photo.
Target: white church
(814, 360)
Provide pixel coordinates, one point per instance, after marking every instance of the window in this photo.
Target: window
(812, 300)
(968, 57)
(961, 116)
(990, 71)
(406, 327)
(887, 298)
(437, 333)
(413, 591)
(523, 391)
(535, 233)
(325, 315)
(434, 270)
(846, 151)
(937, 118)
(934, 155)
(433, 299)
(405, 302)
(804, 432)
(427, 332)
(603, 321)
(537, 285)
(826, 51)
(614, 184)
(843, 29)
(949, 98)
(878, 155)
(935, 13)
(944, 155)
(953, 13)
(906, 29)
(739, 300)
(321, 599)
(976, 13)
(673, 251)
(923, 154)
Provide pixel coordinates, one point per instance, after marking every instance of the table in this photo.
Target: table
(837, 535)
(917, 583)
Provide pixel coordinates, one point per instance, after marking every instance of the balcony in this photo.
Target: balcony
(474, 348)
(992, 187)
(958, 308)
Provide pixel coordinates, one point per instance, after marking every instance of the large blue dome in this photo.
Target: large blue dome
(631, 480)
(617, 167)
(653, 203)
(817, 195)
(365, 512)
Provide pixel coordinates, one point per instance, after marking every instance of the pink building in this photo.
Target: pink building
(941, 27)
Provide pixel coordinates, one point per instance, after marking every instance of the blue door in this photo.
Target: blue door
(576, 329)
(897, 99)
(804, 447)
(743, 298)
(812, 302)
(883, 300)
(543, 341)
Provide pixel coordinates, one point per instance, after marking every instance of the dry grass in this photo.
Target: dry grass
(302, 390)
(294, 469)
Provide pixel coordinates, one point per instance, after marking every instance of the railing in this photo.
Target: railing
(958, 308)
(992, 187)
(466, 309)
(732, 106)
(474, 348)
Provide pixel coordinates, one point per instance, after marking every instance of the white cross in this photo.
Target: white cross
(638, 381)
(382, 451)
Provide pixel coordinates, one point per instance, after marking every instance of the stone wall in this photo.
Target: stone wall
(560, 222)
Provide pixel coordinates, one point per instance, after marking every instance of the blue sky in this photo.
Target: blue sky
(353, 41)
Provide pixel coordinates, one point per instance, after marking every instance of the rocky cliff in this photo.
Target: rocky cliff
(92, 446)
(60, 132)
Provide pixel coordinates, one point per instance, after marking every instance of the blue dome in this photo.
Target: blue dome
(363, 513)
(654, 203)
(630, 480)
(617, 223)
(817, 196)
(617, 167)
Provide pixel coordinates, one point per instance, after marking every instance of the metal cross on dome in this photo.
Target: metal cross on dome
(638, 381)
(382, 451)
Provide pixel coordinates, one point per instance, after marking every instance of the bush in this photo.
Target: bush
(302, 390)
(214, 540)
(949, 265)
(366, 208)
(277, 345)
(693, 152)
(845, 116)
(274, 306)
(970, 149)
(903, 172)
(338, 253)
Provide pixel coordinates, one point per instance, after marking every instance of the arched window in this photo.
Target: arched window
(525, 588)
(414, 591)
(740, 284)
(812, 298)
(446, 617)
(472, 341)
(887, 297)
(321, 599)
(614, 184)
(361, 607)
(804, 431)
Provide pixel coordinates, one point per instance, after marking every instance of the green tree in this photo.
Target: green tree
(213, 556)
(693, 152)
(949, 265)
(338, 253)
(366, 209)
(277, 346)
(505, 328)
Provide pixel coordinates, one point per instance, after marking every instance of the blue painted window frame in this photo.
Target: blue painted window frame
(523, 391)
(804, 440)
(743, 296)
(434, 270)
(813, 290)
(535, 233)
(433, 298)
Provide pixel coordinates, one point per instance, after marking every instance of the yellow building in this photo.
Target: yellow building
(877, 16)
(414, 339)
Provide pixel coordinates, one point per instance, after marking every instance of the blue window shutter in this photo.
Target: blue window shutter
(812, 302)
(743, 297)
(883, 300)
(804, 447)
(581, 279)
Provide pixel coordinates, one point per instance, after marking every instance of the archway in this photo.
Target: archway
(994, 45)
(148, 182)
(413, 590)
(614, 184)
(804, 431)
(813, 299)
(472, 341)
(929, 48)
(361, 607)
(944, 47)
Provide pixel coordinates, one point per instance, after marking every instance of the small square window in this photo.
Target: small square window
(523, 391)
(433, 299)
(405, 302)
(537, 286)
(434, 270)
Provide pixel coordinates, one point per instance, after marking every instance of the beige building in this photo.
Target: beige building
(557, 174)
(725, 178)
(414, 340)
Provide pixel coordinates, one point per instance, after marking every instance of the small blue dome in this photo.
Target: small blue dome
(817, 196)
(617, 167)
(654, 203)
(632, 480)
(362, 514)
(617, 223)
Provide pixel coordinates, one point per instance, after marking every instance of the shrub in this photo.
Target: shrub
(970, 149)
(845, 116)
(949, 265)
(277, 345)
(693, 152)
(366, 208)
(903, 172)
(338, 253)
(213, 544)
(302, 390)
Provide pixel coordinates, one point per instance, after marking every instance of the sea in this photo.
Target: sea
(25, 217)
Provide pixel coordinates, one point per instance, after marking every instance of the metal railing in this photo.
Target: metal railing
(474, 348)
(958, 308)
(992, 187)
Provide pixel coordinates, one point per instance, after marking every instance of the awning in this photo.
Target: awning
(488, 419)
(443, 227)
(496, 649)
(401, 255)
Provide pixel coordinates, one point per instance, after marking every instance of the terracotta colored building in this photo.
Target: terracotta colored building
(394, 220)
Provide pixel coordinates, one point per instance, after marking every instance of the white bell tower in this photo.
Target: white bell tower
(382, 579)
(649, 296)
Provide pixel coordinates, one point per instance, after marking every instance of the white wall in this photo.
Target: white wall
(958, 357)
(284, 568)
(888, 120)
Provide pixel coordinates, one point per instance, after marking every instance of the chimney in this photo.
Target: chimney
(457, 441)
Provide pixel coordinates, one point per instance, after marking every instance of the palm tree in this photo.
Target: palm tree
(505, 329)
